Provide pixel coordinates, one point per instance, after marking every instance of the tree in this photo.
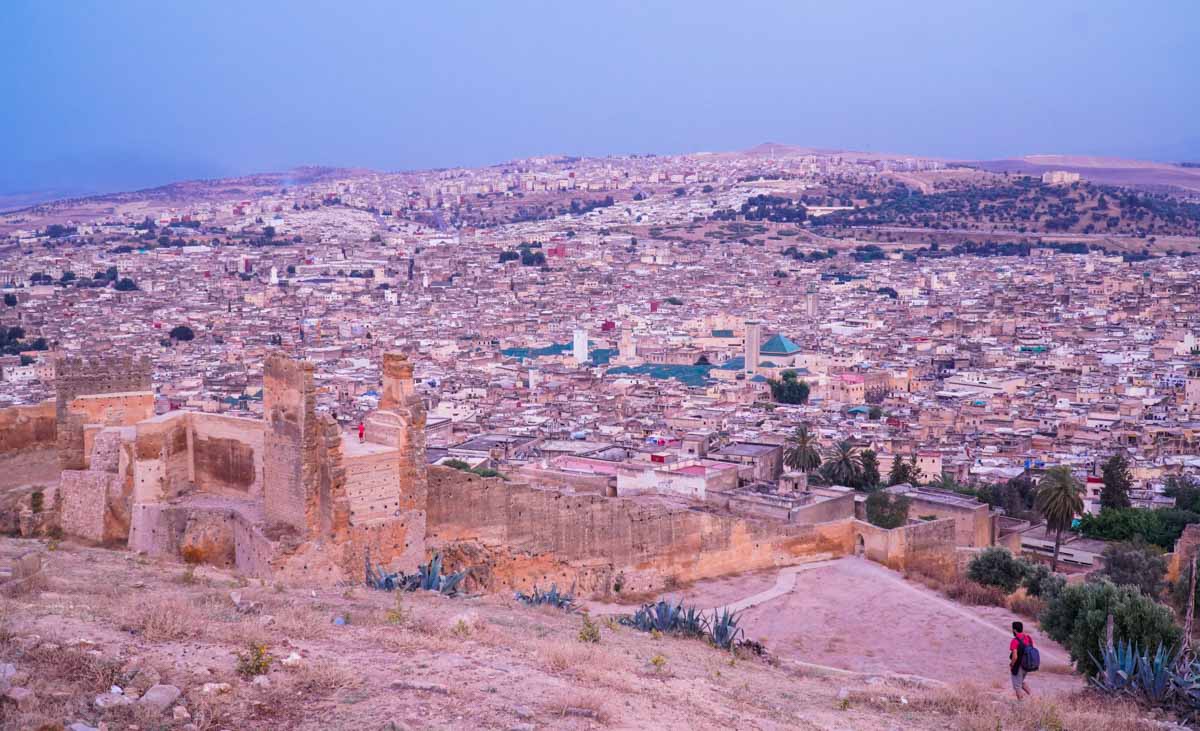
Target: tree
(1135, 563)
(899, 473)
(803, 452)
(887, 510)
(1059, 500)
(182, 332)
(10, 299)
(1181, 487)
(1117, 482)
(1041, 582)
(789, 389)
(703, 360)
(1077, 615)
(997, 567)
(843, 465)
(869, 478)
(125, 284)
(509, 256)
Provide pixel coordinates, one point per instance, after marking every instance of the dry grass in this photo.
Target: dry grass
(1026, 606)
(966, 591)
(974, 708)
(320, 678)
(585, 705)
(165, 619)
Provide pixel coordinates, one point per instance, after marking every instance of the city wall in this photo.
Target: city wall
(515, 536)
(75, 377)
(896, 547)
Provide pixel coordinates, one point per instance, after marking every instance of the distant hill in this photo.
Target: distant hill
(1105, 170)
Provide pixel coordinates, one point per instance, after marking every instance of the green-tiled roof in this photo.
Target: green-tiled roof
(779, 345)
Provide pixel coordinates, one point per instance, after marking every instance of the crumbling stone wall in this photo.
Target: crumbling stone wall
(515, 535)
(293, 441)
(74, 377)
(28, 428)
(227, 454)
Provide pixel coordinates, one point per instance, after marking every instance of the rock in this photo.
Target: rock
(160, 697)
(115, 689)
(291, 661)
(104, 701)
(81, 726)
(580, 712)
(843, 694)
(522, 712)
(215, 688)
(522, 727)
(181, 714)
(267, 620)
(22, 698)
(418, 685)
(261, 681)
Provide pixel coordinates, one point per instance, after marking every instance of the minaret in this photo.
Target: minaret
(580, 349)
(753, 345)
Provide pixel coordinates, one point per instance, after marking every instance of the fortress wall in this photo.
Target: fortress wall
(373, 487)
(290, 464)
(162, 461)
(520, 535)
(75, 377)
(27, 428)
(227, 454)
(896, 547)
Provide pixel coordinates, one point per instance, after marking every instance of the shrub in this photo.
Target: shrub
(887, 510)
(256, 660)
(1076, 617)
(589, 632)
(1135, 563)
(554, 598)
(997, 567)
(1041, 582)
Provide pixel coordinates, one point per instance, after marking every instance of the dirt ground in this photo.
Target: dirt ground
(101, 618)
(856, 615)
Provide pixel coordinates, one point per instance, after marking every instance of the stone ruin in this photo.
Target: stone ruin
(284, 495)
(287, 497)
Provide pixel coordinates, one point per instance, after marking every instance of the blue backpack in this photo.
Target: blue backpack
(1028, 656)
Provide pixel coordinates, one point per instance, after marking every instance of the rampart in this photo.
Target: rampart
(515, 536)
(75, 377)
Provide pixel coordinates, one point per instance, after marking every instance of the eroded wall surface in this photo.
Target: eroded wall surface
(27, 428)
(74, 377)
(515, 535)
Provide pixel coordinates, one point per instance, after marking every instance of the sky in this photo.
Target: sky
(99, 96)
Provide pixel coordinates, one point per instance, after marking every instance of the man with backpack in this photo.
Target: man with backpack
(1023, 658)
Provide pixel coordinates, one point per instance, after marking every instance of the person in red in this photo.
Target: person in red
(361, 430)
(1019, 641)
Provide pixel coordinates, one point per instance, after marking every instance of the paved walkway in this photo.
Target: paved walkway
(784, 583)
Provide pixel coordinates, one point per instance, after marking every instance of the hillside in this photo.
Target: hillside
(101, 618)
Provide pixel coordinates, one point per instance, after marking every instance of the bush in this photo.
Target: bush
(997, 567)
(1135, 563)
(1041, 582)
(256, 660)
(589, 633)
(1076, 619)
(887, 510)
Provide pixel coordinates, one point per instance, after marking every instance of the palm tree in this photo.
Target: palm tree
(1059, 499)
(804, 453)
(843, 465)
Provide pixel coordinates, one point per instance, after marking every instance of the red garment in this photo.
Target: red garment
(361, 429)
(1024, 638)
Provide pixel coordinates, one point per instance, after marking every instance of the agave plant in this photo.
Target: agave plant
(723, 631)
(561, 600)
(1118, 667)
(428, 577)
(1185, 680)
(665, 617)
(1153, 678)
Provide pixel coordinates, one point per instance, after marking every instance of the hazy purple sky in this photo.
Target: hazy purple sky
(120, 94)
